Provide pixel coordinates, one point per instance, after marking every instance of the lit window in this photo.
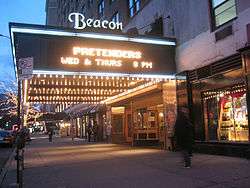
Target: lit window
(223, 11)
(101, 9)
(134, 7)
(116, 18)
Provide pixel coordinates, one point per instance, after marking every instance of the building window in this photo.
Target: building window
(223, 11)
(116, 17)
(90, 2)
(134, 7)
(101, 9)
(111, 1)
(77, 3)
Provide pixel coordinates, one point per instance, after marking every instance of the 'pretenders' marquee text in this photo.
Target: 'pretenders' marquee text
(106, 58)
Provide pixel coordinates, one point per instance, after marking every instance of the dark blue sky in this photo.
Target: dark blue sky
(22, 11)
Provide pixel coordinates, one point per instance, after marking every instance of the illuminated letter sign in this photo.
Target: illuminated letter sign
(102, 57)
(80, 23)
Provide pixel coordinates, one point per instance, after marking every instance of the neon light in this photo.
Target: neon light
(152, 41)
(70, 60)
(94, 36)
(79, 22)
(98, 52)
(108, 63)
(116, 97)
(103, 74)
(14, 54)
(83, 35)
(25, 91)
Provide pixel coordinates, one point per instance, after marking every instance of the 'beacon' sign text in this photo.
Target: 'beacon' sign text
(80, 23)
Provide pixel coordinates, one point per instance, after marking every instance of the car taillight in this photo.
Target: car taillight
(7, 138)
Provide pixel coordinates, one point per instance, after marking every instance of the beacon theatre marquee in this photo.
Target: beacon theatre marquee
(54, 49)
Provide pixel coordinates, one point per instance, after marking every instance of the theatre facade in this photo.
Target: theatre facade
(130, 84)
(116, 80)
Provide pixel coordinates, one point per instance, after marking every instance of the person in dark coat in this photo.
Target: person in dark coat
(184, 135)
(89, 131)
(51, 132)
(95, 131)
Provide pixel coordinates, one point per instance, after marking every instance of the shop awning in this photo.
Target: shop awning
(48, 117)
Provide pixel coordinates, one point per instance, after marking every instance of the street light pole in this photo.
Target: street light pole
(18, 178)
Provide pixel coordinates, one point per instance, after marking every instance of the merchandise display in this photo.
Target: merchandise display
(231, 121)
(146, 123)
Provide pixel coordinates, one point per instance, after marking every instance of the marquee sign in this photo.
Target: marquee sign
(60, 50)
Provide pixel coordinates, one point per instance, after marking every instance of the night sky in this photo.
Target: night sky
(21, 11)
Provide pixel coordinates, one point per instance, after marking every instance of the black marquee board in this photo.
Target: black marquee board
(47, 51)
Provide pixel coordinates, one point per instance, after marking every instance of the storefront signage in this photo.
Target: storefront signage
(106, 58)
(25, 68)
(80, 22)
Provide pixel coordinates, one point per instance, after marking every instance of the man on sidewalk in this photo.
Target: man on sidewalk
(184, 135)
(50, 135)
(89, 130)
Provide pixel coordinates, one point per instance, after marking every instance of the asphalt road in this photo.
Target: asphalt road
(68, 164)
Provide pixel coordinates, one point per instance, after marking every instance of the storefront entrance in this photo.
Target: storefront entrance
(217, 96)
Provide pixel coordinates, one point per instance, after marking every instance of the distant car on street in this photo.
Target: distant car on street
(6, 138)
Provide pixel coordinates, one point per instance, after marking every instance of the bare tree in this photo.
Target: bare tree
(9, 104)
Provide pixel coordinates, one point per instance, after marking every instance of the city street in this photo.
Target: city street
(79, 164)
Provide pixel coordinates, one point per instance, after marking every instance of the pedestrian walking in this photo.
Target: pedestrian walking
(89, 131)
(95, 131)
(184, 135)
(108, 133)
(50, 135)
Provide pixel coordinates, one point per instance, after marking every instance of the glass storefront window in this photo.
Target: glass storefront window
(226, 116)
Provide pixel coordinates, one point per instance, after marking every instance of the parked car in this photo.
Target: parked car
(6, 138)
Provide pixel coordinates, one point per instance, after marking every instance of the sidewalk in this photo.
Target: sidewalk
(4, 156)
(66, 164)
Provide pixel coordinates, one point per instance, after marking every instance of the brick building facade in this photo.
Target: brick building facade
(213, 39)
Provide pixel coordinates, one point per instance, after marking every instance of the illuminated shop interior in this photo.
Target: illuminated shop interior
(226, 114)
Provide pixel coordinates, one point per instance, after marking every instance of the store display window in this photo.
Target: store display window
(146, 123)
(225, 114)
(145, 119)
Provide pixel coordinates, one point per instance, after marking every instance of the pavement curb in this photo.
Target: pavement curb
(5, 169)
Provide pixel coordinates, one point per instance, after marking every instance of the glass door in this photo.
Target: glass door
(212, 120)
